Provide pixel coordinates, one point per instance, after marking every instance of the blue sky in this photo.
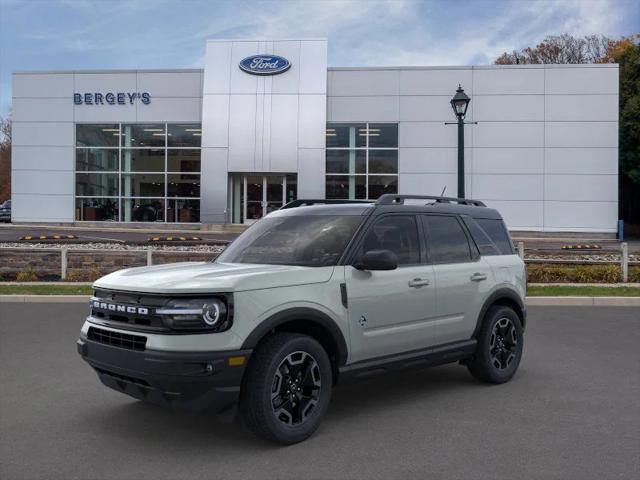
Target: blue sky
(104, 34)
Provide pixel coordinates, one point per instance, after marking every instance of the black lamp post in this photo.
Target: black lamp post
(460, 103)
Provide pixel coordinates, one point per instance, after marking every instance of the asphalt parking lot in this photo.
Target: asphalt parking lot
(572, 411)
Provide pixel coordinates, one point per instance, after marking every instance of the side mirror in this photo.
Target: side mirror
(377, 260)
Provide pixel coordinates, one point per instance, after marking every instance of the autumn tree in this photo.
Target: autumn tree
(626, 53)
(560, 49)
(5, 159)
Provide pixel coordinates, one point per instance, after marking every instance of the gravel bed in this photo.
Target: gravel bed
(609, 257)
(116, 247)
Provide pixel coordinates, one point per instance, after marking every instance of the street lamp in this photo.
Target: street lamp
(460, 103)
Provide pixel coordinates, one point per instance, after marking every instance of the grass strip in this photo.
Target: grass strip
(52, 289)
(578, 291)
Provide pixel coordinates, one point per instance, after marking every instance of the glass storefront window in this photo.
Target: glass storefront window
(379, 185)
(98, 135)
(143, 185)
(184, 161)
(346, 161)
(361, 160)
(383, 135)
(181, 185)
(383, 161)
(183, 211)
(97, 184)
(346, 136)
(142, 160)
(291, 189)
(143, 209)
(96, 159)
(144, 135)
(346, 187)
(184, 135)
(150, 172)
(96, 209)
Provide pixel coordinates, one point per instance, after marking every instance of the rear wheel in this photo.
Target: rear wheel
(500, 344)
(287, 388)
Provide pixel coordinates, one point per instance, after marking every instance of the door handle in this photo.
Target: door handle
(478, 277)
(418, 282)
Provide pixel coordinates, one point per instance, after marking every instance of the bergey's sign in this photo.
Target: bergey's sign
(110, 98)
(265, 64)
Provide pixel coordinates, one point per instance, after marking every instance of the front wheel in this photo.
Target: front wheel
(287, 388)
(500, 345)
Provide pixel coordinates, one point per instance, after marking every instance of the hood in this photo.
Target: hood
(207, 277)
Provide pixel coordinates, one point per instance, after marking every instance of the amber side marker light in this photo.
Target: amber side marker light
(237, 361)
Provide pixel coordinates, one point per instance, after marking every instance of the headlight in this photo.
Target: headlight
(196, 314)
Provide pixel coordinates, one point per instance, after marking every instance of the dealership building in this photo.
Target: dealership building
(266, 122)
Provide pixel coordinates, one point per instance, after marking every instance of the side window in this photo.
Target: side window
(398, 233)
(484, 243)
(497, 232)
(446, 239)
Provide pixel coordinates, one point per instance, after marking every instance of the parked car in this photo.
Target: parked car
(308, 297)
(5, 211)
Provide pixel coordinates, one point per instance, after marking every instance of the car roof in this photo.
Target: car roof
(360, 208)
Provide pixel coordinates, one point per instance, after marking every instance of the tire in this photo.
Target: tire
(297, 370)
(500, 345)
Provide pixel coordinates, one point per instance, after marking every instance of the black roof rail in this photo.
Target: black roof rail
(305, 202)
(393, 199)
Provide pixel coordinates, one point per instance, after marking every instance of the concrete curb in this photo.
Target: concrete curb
(584, 301)
(531, 301)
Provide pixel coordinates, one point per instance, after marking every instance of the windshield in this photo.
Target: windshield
(311, 241)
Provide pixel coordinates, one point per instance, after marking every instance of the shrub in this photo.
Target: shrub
(27, 275)
(539, 273)
(634, 274)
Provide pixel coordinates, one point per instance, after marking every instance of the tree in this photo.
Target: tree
(600, 49)
(560, 49)
(5, 159)
(626, 53)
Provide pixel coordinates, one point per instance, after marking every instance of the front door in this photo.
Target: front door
(391, 311)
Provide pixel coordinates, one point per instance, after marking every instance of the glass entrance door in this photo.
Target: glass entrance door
(255, 195)
(254, 203)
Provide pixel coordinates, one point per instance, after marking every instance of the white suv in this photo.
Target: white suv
(314, 294)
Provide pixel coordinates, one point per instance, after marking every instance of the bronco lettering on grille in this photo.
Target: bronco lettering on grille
(120, 308)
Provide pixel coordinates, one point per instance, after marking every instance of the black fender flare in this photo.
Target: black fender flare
(305, 314)
(501, 294)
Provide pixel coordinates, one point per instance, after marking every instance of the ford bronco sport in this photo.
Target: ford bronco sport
(311, 295)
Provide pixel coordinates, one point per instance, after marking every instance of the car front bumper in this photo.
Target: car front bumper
(188, 380)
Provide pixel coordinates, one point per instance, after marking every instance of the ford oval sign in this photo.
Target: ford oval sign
(265, 64)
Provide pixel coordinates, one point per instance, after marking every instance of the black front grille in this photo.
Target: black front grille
(117, 339)
(123, 310)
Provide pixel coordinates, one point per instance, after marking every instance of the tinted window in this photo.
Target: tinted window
(310, 240)
(396, 233)
(446, 239)
(484, 243)
(497, 232)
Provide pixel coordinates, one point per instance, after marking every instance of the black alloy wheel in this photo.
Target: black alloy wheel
(286, 388)
(503, 345)
(500, 345)
(296, 387)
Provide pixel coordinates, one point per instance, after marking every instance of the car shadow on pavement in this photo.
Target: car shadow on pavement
(357, 401)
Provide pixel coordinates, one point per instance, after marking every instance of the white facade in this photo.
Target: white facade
(544, 150)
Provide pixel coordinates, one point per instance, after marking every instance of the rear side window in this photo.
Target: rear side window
(446, 239)
(497, 232)
(480, 237)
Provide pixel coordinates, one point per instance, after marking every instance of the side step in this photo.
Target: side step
(427, 357)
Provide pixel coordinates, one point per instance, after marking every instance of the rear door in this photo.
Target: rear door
(391, 311)
(462, 277)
